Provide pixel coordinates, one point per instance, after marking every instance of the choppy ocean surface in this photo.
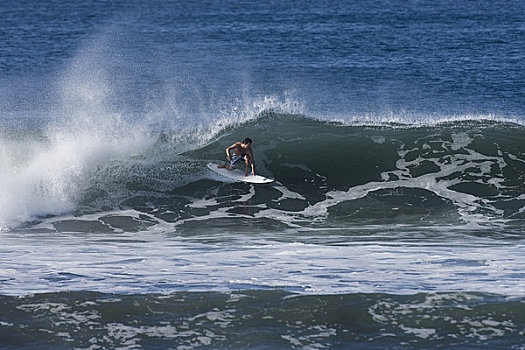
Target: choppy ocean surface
(395, 132)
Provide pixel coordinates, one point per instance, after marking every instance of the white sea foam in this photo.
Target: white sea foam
(146, 262)
(435, 182)
(50, 178)
(415, 120)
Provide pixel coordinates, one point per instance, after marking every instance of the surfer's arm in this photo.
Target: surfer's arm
(228, 150)
(247, 161)
(250, 156)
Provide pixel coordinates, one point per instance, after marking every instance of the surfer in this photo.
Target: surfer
(241, 151)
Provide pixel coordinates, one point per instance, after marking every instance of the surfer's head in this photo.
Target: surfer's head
(247, 141)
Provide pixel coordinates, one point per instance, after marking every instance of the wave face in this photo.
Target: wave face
(460, 172)
(468, 174)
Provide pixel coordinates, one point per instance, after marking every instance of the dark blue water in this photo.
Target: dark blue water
(395, 132)
(348, 59)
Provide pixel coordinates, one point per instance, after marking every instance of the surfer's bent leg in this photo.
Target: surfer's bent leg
(233, 161)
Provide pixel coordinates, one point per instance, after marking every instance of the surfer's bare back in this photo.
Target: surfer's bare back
(241, 151)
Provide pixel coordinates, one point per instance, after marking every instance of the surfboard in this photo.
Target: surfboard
(238, 175)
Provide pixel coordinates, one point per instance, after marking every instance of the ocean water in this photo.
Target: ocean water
(395, 131)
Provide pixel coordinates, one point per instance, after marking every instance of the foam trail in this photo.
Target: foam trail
(467, 204)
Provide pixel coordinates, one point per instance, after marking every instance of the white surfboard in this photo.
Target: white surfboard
(238, 175)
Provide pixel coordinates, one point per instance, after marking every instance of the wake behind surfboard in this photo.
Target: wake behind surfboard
(238, 175)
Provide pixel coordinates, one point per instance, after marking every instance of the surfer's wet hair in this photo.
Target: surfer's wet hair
(247, 140)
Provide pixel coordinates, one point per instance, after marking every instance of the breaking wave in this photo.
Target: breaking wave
(468, 172)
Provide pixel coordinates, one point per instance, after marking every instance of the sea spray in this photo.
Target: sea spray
(93, 134)
(83, 133)
(51, 178)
